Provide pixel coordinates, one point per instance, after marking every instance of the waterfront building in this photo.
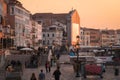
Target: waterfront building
(85, 37)
(73, 27)
(118, 37)
(47, 19)
(50, 19)
(104, 38)
(112, 37)
(3, 16)
(90, 37)
(18, 19)
(52, 35)
(70, 21)
(35, 34)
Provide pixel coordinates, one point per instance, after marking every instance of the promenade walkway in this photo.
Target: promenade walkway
(68, 73)
(28, 71)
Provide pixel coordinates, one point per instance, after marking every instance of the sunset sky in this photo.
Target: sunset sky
(98, 14)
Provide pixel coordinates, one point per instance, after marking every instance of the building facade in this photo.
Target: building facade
(112, 37)
(90, 37)
(104, 38)
(50, 19)
(118, 37)
(94, 37)
(85, 37)
(52, 36)
(47, 19)
(18, 18)
(73, 27)
(36, 34)
(71, 20)
(4, 29)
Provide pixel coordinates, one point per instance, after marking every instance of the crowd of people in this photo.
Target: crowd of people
(56, 75)
(52, 60)
(13, 66)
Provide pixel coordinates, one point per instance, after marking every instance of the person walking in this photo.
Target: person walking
(72, 53)
(58, 55)
(47, 66)
(57, 74)
(41, 75)
(33, 77)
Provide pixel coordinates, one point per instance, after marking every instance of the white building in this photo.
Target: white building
(59, 24)
(22, 18)
(36, 34)
(52, 35)
(19, 20)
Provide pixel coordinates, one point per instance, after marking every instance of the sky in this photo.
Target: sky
(98, 14)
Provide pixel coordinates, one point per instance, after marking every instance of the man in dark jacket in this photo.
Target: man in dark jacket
(57, 74)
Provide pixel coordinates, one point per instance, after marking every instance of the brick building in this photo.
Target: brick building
(47, 19)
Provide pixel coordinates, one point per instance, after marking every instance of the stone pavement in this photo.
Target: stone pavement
(68, 72)
(28, 71)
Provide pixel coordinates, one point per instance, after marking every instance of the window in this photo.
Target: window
(1, 19)
(12, 10)
(43, 42)
(52, 35)
(87, 42)
(43, 35)
(1, 39)
(26, 21)
(40, 22)
(48, 35)
(48, 42)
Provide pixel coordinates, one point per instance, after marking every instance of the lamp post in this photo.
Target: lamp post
(77, 51)
(111, 49)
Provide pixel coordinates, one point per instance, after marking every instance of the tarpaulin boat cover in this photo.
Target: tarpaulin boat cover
(93, 69)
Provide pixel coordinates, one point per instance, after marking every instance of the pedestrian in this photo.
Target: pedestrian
(72, 53)
(116, 72)
(41, 75)
(57, 74)
(47, 66)
(33, 77)
(57, 63)
(58, 55)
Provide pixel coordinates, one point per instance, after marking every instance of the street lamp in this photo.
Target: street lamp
(77, 51)
(111, 49)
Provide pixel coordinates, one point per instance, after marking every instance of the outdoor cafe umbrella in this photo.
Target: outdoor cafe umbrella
(26, 49)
